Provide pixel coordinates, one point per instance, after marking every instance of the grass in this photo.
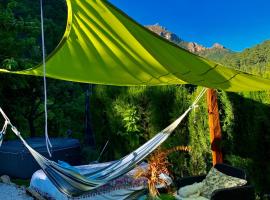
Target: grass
(21, 182)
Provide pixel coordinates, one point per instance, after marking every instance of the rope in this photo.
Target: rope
(4, 129)
(8, 122)
(48, 142)
(194, 104)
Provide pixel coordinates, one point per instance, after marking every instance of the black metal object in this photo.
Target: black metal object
(17, 162)
(188, 180)
(245, 192)
(231, 171)
(89, 135)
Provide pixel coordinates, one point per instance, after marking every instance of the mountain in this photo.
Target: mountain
(163, 32)
(216, 52)
(254, 60)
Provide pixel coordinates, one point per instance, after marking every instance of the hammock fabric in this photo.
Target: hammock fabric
(102, 45)
(72, 183)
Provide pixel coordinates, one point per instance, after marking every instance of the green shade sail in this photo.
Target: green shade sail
(102, 45)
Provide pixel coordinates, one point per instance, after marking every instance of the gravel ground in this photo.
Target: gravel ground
(13, 192)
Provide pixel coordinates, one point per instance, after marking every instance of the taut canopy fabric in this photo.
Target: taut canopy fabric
(102, 45)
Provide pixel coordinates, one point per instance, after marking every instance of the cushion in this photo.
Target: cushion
(120, 188)
(217, 180)
(190, 190)
(190, 198)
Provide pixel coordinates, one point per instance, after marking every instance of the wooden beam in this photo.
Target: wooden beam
(214, 126)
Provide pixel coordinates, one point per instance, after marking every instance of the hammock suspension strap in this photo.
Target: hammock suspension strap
(48, 142)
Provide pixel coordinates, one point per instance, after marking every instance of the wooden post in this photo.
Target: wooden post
(214, 126)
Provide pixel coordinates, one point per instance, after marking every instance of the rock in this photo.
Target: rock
(163, 32)
(5, 179)
(194, 47)
(218, 46)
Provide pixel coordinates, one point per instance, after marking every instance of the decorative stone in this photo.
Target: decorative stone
(5, 179)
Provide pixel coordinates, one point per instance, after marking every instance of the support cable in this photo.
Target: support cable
(48, 142)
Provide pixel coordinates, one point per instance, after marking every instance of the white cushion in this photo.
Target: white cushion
(120, 188)
(190, 198)
(190, 190)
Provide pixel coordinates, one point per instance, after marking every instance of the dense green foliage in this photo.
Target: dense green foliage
(125, 116)
(130, 116)
(248, 142)
(255, 60)
(22, 97)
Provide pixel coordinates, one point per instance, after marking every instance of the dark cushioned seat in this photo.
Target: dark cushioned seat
(245, 192)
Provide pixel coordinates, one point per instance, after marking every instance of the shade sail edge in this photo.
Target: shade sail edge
(102, 45)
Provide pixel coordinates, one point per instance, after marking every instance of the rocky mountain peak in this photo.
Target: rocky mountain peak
(218, 46)
(215, 52)
(163, 32)
(194, 47)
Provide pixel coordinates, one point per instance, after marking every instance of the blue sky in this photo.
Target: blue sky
(237, 24)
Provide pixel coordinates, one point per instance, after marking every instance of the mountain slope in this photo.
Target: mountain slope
(255, 59)
(216, 52)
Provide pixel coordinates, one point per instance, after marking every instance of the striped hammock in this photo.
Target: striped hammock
(72, 183)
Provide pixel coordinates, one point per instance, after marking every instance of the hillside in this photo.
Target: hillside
(255, 59)
(216, 52)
